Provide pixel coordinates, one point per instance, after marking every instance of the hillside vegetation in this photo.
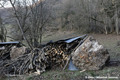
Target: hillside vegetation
(43, 21)
(83, 16)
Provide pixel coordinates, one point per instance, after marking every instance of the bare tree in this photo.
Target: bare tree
(116, 4)
(94, 15)
(3, 31)
(21, 17)
(31, 18)
(39, 17)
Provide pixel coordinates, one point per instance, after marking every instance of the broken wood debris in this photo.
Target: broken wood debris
(57, 54)
(5, 48)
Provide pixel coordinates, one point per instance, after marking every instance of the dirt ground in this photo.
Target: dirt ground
(111, 42)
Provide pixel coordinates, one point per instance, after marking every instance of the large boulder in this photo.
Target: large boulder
(90, 55)
(17, 51)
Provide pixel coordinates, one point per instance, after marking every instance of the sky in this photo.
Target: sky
(7, 4)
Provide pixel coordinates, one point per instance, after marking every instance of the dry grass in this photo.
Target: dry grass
(108, 41)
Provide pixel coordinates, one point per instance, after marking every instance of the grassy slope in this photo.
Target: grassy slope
(109, 41)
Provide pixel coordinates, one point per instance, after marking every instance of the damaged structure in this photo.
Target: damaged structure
(84, 52)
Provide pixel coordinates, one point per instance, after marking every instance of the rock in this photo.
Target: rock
(90, 55)
(17, 51)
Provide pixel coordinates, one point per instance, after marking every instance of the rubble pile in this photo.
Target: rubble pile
(85, 52)
(91, 55)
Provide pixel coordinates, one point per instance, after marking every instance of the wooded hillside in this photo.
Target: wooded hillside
(84, 16)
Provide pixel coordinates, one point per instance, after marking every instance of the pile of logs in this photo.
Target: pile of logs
(5, 48)
(51, 56)
(4, 52)
(82, 50)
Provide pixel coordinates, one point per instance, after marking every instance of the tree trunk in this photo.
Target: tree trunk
(105, 25)
(106, 32)
(117, 24)
(116, 20)
(111, 26)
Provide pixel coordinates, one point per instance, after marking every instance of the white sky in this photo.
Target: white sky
(7, 4)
